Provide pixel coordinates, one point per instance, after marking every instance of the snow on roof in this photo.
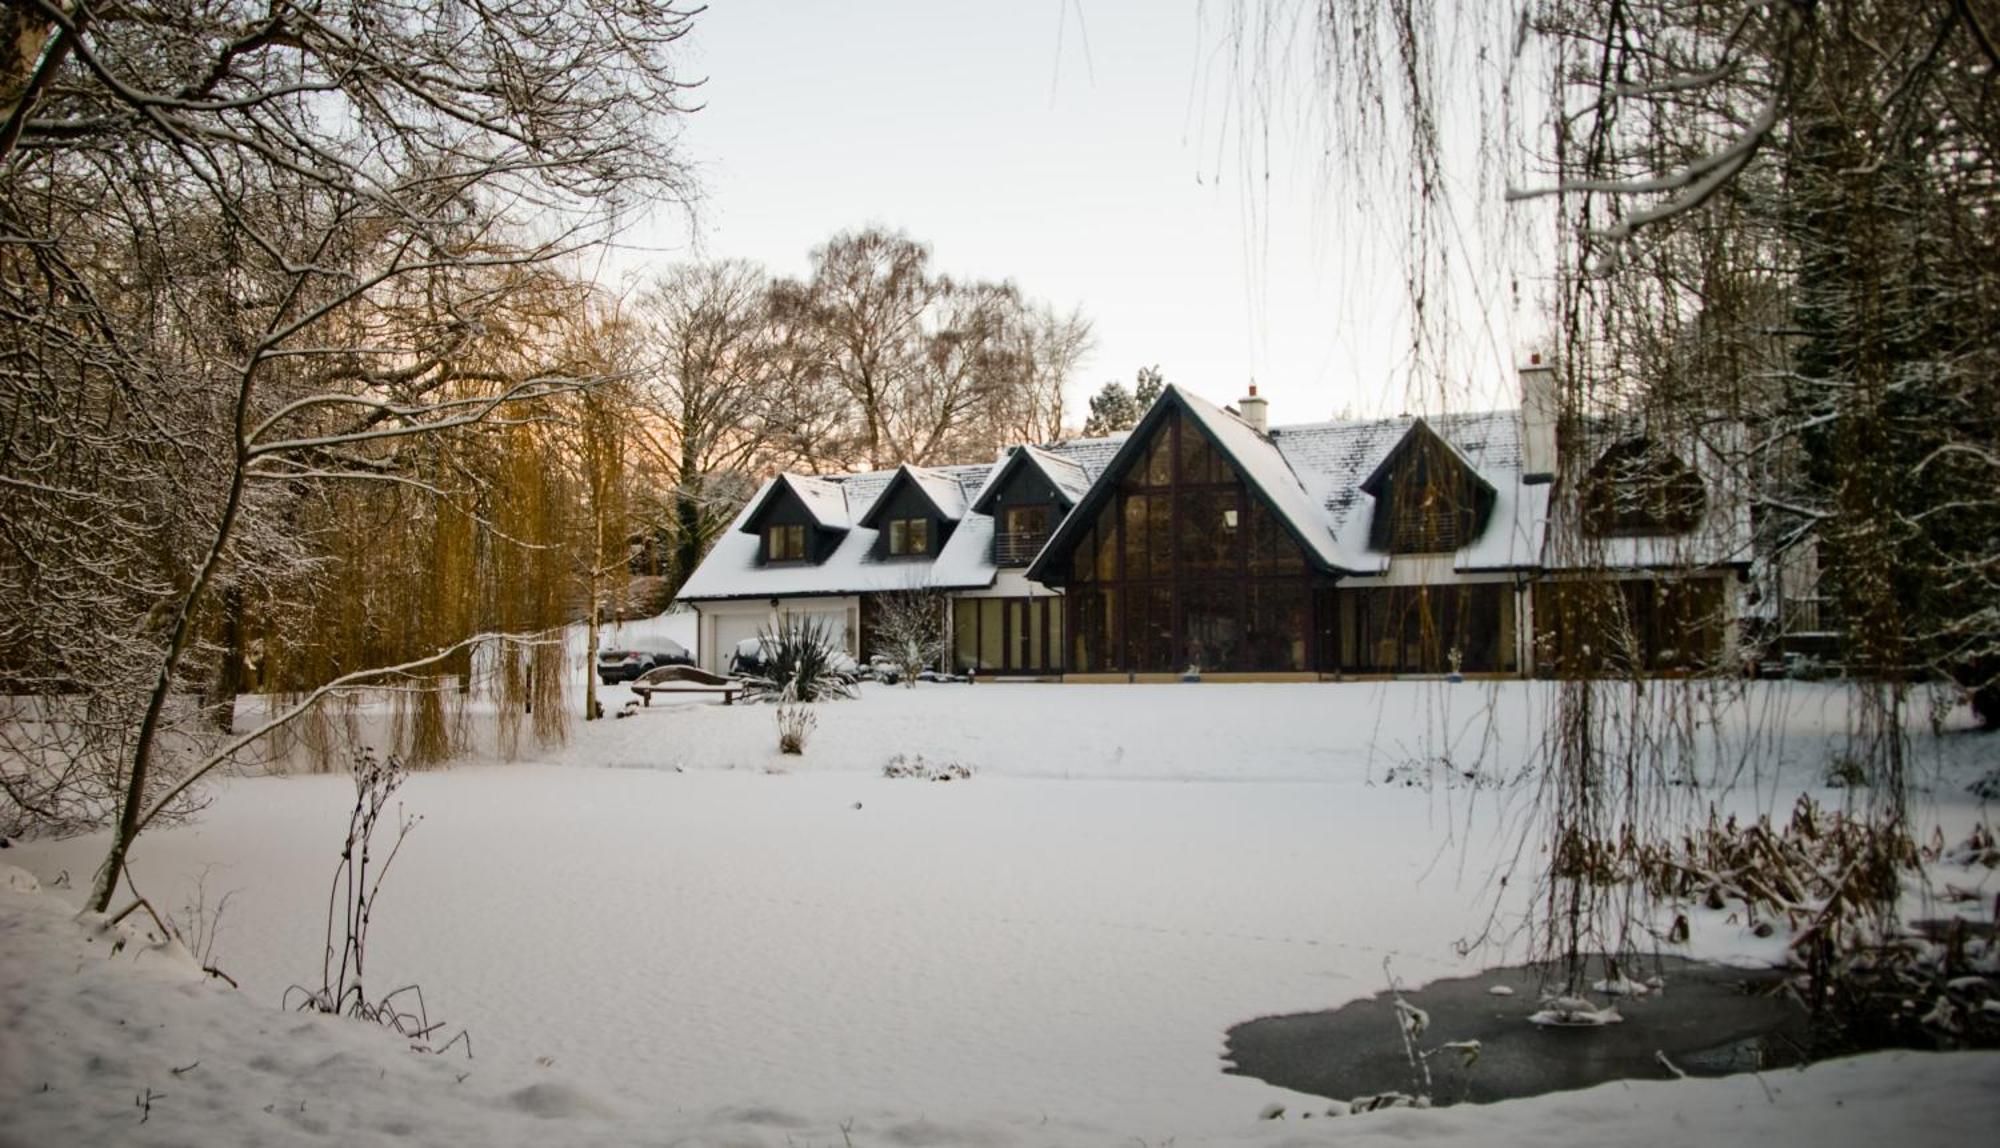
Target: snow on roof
(1336, 458)
(942, 489)
(1722, 536)
(823, 499)
(1312, 474)
(733, 568)
(1066, 475)
(1266, 467)
(1091, 454)
(1069, 478)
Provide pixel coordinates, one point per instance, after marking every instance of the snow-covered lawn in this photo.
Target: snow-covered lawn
(665, 930)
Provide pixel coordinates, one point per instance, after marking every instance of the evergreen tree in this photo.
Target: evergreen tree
(1114, 408)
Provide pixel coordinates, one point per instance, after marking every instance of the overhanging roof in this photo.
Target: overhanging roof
(824, 501)
(1263, 469)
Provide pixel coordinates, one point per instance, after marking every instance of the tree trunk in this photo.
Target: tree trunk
(229, 670)
(590, 708)
(688, 540)
(133, 803)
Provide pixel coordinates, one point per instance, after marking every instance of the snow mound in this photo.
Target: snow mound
(18, 880)
(1574, 1012)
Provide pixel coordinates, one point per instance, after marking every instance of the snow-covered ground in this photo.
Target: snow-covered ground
(663, 931)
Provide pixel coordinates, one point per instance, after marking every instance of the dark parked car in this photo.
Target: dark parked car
(622, 665)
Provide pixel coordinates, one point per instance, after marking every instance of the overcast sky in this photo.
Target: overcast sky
(1088, 150)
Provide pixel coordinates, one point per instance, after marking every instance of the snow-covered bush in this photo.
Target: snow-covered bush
(916, 765)
(910, 630)
(1845, 771)
(1429, 773)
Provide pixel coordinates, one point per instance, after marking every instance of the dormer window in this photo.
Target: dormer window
(785, 543)
(1027, 520)
(909, 536)
(1428, 499)
(1426, 521)
(1638, 489)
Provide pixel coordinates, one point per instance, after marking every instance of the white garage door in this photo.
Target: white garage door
(729, 630)
(834, 622)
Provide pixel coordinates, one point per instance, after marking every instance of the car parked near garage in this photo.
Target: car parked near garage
(628, 662)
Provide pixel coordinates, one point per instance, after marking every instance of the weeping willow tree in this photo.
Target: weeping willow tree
(499, 526)
(1767, 230)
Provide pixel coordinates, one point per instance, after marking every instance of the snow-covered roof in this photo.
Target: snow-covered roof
(1265, 467)
(1069, 477)
(1312, 475)
(942, 489)
(734, 566)
(1722, 536)
(1335, 459)
(823, 499)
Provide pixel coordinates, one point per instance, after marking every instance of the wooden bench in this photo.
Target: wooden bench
(684, 680)
(646, 692)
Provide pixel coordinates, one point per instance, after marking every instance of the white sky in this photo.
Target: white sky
(1088, 150)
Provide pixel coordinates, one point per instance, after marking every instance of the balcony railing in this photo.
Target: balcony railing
(1018, 549)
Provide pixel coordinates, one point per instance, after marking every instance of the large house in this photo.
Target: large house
(1206, 542)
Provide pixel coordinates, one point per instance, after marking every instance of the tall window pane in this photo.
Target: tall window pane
(1107, 543)
(991, 630)
(1135, 535)
(1275, 629)
(1160, 458)
(1056, 615)
(1037, 612)
(965, 634)
(1211, 618)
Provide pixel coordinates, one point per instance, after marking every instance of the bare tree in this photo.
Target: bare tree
(1046, 348)
(251, 251)
(716, 396)
(934, 370)
(865, 310)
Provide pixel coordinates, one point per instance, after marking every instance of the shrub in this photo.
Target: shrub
(801, 662)
(916, 765)
(795, 721)
(910, 632)
(1846, 771)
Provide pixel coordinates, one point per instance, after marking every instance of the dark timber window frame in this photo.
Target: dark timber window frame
(1635, 489)
(1186, 566)
(1018, 635)
(908, 537)
(785, 542)
(1428, 500)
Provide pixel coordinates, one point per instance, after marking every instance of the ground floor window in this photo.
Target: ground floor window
(1205, 625)
(1586, 628)
(1423, 629)
(1007, 635)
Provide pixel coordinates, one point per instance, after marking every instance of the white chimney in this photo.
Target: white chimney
(1539, 410)
(1254, 410)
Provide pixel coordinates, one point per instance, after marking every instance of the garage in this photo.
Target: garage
(723, 631)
